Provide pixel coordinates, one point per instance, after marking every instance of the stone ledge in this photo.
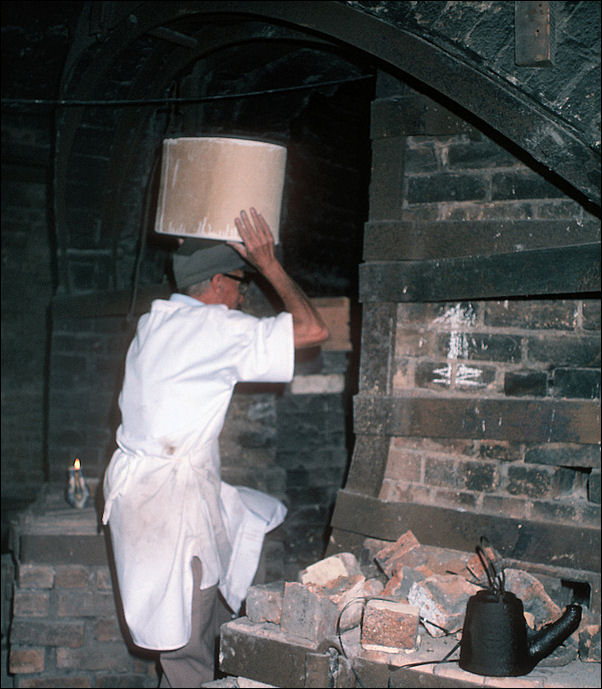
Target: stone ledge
(251, 650)
(52, 532)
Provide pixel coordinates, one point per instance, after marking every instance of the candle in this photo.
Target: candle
(77, 488)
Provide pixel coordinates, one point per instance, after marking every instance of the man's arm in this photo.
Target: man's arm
(258, 249)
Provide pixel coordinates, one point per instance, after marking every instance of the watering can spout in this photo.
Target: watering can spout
(550, 636)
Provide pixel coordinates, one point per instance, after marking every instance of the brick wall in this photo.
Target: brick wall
(479, 382)
(65, 632)
(529, 348)
(33, 53)
(27, 285)
(467, 176)
(533, 349)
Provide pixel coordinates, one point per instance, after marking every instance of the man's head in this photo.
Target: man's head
(228, 289)
(210, 269)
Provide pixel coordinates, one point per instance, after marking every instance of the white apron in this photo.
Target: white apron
(163, 510)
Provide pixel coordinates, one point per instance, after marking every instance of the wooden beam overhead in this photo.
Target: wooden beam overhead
(518, 420)
(560, 270)
(391, 240)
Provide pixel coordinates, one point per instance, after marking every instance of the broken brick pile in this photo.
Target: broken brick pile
(402, 592)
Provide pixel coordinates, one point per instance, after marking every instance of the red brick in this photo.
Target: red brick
(76, 604)
(373, 587)
(58, 682)
(343, 593)
(335, 313)
(442, 601)
(536, 601)
(395, 555)
(120, 681)
(111, 656)
(35, 576)
(371, 546)
(401, 581)
(72, 576)
(403, 465)
(589, 643)
(28, 603)
(389, 626)
(264, 602)
(85, 604)
(326, 572)
(107, 629)
(455, 565)
(342, 590)
(26, 660)
(32, 632)
(454, 676)
(308, 613)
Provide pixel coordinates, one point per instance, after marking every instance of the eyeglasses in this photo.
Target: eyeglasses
(244, 281)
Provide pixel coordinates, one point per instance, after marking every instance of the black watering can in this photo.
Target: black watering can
(495, 639)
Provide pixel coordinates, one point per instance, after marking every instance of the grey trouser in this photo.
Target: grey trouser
(194, 664)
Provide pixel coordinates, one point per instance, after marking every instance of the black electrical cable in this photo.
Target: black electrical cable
(493, 566)
(353, 600)
(165, 101)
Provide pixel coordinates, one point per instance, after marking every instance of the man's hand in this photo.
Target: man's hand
(258, 241)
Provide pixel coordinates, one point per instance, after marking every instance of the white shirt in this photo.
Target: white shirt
(165, 501)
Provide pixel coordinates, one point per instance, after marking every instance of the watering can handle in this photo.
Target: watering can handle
(495, 576)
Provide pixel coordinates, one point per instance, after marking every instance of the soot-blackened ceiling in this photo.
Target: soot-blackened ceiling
(137, 52)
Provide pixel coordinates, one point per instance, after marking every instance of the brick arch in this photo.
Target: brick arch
(492, 103)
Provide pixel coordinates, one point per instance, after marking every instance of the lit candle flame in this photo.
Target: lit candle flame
(76, 464)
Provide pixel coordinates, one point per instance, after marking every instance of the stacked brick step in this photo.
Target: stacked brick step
(67, 627)
(387, 619)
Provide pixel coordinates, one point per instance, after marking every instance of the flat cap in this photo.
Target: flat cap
(200, 259)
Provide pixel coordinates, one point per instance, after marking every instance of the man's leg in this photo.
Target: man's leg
(193, 664)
